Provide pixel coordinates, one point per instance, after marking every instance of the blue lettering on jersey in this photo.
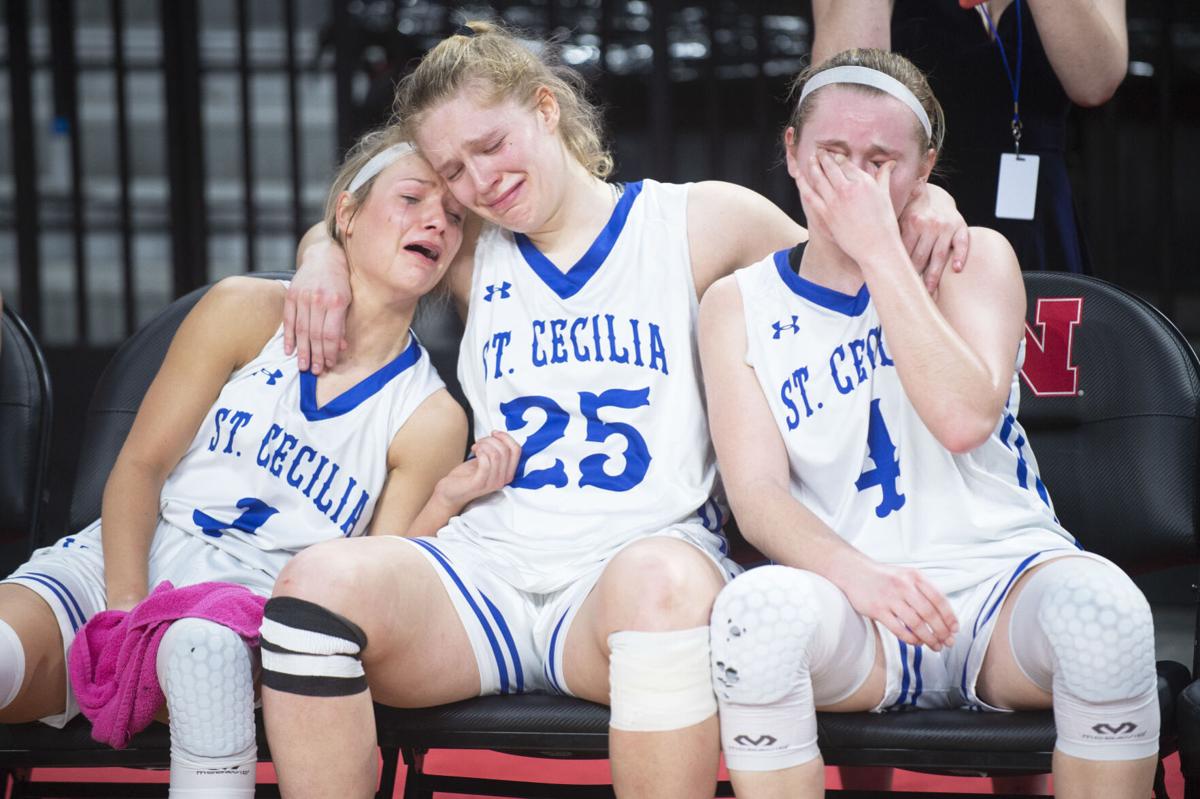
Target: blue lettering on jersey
(584, 339)
(537, 357)
(857, 348)
(288, 458)
(785, 395)
(851, 365)
(237, 420)
(581, 352)
(623, 357)
(558, 353)
(496, 344)
(798, 379)
(839, 355)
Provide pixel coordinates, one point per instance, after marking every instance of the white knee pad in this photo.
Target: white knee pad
(12, 664)
(1081, 629)
(206, 672)
(659, 681)
(784, 642)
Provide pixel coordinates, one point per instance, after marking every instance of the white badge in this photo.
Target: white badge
(1016, 191)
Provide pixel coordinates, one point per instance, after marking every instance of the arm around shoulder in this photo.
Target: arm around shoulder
(730, 226)
(990, 286)
(985, 305)
(314, 318)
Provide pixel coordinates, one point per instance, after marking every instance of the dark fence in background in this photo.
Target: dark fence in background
(151, 146)
(154, 145)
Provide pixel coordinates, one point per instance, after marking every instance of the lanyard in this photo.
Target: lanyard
(1013, 81)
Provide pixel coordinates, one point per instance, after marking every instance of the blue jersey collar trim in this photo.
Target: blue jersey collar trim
(849, 305)
(352, 397)
(567, 284)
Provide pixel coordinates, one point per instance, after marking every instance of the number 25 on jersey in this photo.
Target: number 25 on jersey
(591, 468)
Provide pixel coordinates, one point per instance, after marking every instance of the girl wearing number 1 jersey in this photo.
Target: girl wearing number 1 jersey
(238, 459)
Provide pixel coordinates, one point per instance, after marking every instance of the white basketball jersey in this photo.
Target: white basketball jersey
(595, 371)
(269, 472)
(861, 458)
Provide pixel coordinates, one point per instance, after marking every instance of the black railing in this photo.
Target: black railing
(693, 90)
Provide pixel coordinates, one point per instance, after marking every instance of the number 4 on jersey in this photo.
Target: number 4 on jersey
(882, 453)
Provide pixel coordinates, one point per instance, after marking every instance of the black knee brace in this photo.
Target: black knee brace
(309, 650)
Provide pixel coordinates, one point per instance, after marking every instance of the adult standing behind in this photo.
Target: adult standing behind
(1047, 55)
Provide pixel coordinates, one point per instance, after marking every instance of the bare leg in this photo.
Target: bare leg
(417, 654)
(657, 585)
(1002, 683)
(43, 690)
(1075, 778)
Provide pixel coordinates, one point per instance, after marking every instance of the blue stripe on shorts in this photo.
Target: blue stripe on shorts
(553, 674)
(508, 639)
(41, 579)
(905, 675)
(981, 620)
(491, 636)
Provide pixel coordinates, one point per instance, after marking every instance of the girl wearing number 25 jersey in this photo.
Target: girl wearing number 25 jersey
(592, 572)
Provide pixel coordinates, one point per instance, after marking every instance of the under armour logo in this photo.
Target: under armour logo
(1108, 729)
(779, 327)
(761, 740)
(271, 376)
(493, 290)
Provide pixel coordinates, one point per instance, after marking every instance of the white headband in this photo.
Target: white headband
(378, 163)
(865, 76)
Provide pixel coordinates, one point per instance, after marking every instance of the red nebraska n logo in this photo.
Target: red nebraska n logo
(1048, 370)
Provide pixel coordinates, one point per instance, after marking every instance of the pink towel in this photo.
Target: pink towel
(112, 662)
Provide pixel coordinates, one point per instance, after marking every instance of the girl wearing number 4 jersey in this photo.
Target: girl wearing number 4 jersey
(593, 572)
(237, 459)
(868, 439)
